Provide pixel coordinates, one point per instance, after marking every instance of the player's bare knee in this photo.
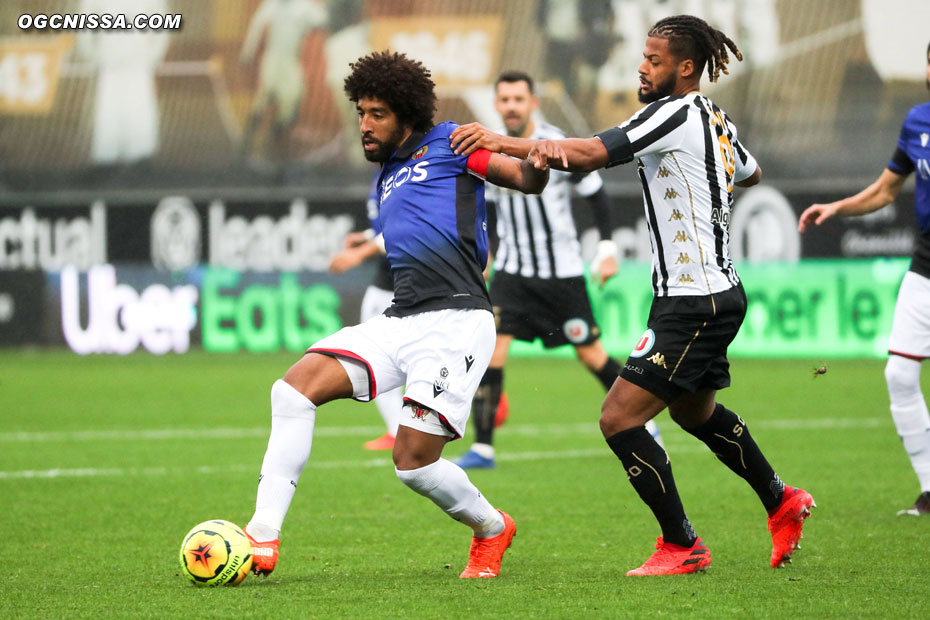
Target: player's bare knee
(321, 378)
(406, 459)
(612, 420)
(413, 449)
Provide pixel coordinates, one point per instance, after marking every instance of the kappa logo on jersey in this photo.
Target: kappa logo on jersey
(680, 237)
(645, 344)
(683, 259)
(576, 330)
(469, 360)
(441, 384)
(663, 172)
(685, 279)
(675, 216)
(671, 194)
(420, 152)
(415, 173)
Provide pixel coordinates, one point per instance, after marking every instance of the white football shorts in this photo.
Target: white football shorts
(910, 330)
(440, 355)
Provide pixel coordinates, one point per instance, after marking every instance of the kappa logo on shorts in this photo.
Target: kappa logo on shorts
(646, 341)
(576, 330)
(440, 385)
(658, 359)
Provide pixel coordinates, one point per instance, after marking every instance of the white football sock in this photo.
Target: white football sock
(448, 486)
(909, 411)
(485, 450)
(391, 405)
(292, 418)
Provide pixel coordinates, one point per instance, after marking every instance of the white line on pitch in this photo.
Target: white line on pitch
(361, 431)
(90, 472)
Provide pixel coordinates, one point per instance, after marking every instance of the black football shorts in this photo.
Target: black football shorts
(684, 348)
(555, 310)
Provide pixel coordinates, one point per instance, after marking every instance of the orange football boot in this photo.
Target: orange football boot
(484, 557)
(672, 559)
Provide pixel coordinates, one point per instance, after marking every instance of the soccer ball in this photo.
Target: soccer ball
(216, 553)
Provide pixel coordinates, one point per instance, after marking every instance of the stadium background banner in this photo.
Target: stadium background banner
(251, 276)
(217, 167)
(817, 308)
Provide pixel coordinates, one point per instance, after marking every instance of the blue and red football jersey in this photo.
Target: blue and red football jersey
(434, 220)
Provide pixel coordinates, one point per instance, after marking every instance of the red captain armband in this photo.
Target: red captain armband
(478, 162)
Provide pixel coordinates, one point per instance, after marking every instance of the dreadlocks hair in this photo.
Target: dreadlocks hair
(402, 83)
(692, 37)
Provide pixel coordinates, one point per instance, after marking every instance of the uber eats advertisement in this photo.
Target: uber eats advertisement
(229, 276)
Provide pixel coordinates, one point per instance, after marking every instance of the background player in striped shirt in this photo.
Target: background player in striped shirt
(909, 344)
(438, 335)
(538, 289)
(689, 159)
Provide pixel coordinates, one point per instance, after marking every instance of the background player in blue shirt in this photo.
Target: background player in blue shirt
(438, 335)
(909, 344)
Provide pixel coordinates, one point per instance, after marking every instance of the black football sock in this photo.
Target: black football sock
(649, 471)
(726, 435)
(484, 405)
(608, 373)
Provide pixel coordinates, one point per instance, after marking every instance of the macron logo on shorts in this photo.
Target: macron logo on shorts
(441, 384)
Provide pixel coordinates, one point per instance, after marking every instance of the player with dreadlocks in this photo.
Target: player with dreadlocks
(438, 335)
(689, 160)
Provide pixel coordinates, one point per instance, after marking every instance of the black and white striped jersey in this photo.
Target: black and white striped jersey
(537, 232)
(689, 158)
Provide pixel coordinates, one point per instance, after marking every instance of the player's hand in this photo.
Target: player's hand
(345, 260)
(354, 239)
(606, 270)
(605, 265)
(544, 151)
(466, 139)
(816, 215)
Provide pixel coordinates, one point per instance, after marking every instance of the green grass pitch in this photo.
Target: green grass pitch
(106, 462)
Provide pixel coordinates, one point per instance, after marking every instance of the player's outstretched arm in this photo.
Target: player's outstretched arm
(518, 174)
(358, 248)
(574, 154)
(880, 193)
